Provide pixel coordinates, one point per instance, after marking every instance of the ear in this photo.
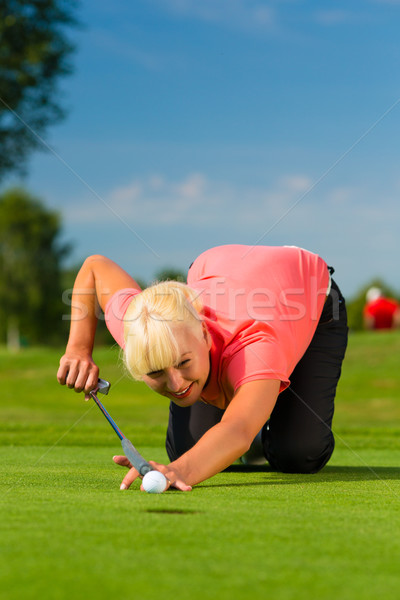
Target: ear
(206, 335)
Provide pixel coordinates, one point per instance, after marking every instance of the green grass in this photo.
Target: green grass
(68, 532)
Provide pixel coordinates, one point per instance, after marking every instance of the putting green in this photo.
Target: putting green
(68, 531)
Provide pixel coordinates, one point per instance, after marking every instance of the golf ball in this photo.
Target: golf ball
(154, 482)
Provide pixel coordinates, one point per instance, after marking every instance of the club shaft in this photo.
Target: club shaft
(108, 417)
(134, 457)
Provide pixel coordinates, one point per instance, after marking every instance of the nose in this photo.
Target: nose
(174, 380)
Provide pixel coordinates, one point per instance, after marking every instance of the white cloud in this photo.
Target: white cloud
(242, 14)
(158, 201)
(193, 187)
(126, 50)
(296, 183)
(342, 196)
(353, 227)
(334, 17)
(152, 200)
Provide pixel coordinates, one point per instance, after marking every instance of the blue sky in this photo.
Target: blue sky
(194, 123)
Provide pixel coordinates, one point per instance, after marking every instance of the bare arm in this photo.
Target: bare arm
(221, 445)
(98, 279)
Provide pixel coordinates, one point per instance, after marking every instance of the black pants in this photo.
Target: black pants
(298, 437)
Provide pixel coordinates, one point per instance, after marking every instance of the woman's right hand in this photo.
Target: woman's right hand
(98, 279)
(78, 371)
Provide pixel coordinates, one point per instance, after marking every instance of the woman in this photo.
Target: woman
(250, 348)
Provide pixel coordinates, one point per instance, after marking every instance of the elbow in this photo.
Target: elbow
(95, 264)
(95, 258)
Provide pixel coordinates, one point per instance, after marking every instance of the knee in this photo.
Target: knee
(308, 458)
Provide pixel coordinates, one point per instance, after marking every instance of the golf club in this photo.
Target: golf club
(129, 449)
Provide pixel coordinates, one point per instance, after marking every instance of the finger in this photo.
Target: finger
(122, 461)
(62, 374)
(181, 485)
(131, 475)
(92, 379)
(66, 372)
(171, 476)
(158, 466)
(71, 375)
(87, 377)
(129, 479)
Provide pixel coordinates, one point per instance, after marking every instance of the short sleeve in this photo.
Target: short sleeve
(115, 311)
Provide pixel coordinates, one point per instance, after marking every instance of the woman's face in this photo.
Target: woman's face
(183, 383)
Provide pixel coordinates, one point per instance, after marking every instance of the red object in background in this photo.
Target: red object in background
(382, 311)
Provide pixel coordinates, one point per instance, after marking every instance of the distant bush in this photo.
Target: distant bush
(355, 305)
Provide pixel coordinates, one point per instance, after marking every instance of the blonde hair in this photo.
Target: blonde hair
(150, 344)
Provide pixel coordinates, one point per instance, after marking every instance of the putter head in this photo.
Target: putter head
(103, 386)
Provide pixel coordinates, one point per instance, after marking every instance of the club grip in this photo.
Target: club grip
(135, 458)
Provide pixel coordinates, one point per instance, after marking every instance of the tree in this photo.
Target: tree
(170, 274)
(34, 54)
(30, 269)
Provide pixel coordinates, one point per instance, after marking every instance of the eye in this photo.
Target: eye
(184, 363)
(154, 374)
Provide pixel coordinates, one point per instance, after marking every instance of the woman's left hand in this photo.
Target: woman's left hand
(174, 478)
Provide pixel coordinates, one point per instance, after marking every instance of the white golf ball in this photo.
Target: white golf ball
(154, 482)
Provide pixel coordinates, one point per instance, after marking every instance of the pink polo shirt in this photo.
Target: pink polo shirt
(261, 306)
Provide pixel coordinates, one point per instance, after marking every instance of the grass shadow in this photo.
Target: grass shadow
(328, 474)
(173, 511)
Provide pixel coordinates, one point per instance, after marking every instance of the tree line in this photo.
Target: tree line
(35, 285)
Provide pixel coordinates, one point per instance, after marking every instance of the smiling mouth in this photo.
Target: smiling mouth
(184, 392)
